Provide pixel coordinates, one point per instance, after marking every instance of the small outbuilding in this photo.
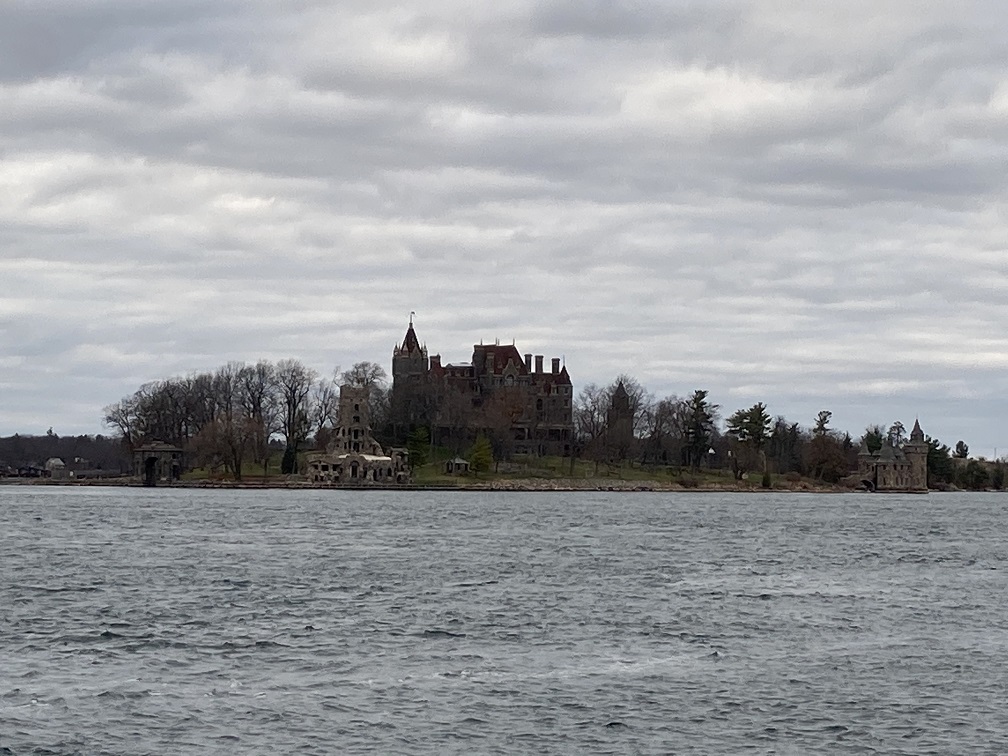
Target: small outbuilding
(56, 469)
(157, 461)
(457, 466)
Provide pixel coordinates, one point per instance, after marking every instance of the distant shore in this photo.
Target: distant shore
(529, 485)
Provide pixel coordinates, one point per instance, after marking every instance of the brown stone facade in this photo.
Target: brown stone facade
(499, 390)
(896, 468)
(157, 462)
(354, 457)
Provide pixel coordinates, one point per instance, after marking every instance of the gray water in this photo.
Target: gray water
(171, 621)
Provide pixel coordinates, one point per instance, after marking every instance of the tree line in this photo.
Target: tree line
(689, 432)
(242, 413)
(21, 452)
(235, 415)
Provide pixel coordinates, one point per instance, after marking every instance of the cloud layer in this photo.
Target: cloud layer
(801, 204)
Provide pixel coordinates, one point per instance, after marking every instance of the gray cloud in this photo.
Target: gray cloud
(798, 204)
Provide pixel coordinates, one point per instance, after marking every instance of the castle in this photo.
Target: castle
(895, 468)
(509, 398)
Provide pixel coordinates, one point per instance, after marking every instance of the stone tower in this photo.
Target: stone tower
(353, 435)
(916, 451)
(410, 368)
(409, 359)
(619, 422)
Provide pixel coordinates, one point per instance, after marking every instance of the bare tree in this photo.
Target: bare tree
(234, 430)
(666, 430)
(258, 396)
(122, 417)
(364, 375)
(505, 408)
(590, 422)
(294, 384)
(324, 406)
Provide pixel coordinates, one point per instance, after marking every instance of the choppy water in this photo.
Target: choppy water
(158, 621)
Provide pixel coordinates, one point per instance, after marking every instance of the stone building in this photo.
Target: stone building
(619, 423)
(157, 461)
(895, 468)
(500, 393)
(354, 457)
(56, 469)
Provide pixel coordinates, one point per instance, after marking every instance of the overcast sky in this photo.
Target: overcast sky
(800, 203)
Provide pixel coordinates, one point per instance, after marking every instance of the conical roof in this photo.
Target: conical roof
(410, 341)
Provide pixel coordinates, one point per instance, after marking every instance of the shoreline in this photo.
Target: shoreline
(517, 485)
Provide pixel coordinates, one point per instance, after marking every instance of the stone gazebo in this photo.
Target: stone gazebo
(156, 462)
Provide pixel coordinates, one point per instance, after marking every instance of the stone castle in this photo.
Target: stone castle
(895, 468)
(498, 393)
(353, 457)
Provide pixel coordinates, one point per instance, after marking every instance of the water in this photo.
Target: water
(187, 621)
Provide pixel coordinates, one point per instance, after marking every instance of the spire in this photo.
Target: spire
(410, 341)
(917, 435)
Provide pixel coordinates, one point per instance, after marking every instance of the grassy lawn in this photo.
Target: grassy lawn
(561, 468)
(526, 468)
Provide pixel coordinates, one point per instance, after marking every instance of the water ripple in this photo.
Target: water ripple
(357, 622)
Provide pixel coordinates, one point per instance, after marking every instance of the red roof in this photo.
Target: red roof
(502, 355)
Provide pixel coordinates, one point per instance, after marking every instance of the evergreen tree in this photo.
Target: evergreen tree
(700, 417)
(940, 467)
(417, 446)
(873, 438)
(481, 455)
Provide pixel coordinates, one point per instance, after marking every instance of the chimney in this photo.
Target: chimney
(539, 359)
(435, 361)
(556, 365)
(528, 362)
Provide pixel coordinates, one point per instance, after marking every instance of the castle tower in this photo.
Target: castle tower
(410, 369)
(619, 422)
(409, 359)
(916, 451)
(353, 435)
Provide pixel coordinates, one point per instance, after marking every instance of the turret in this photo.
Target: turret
(409, 358)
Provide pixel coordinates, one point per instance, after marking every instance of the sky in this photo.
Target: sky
(799, 203)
